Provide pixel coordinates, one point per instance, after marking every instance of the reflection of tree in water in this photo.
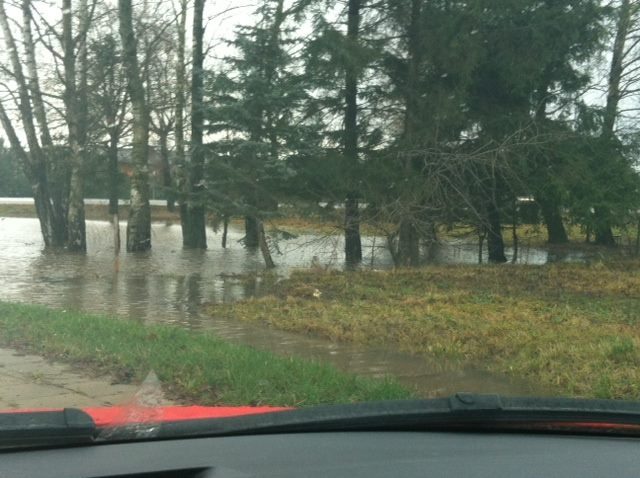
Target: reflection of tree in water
(59, 279)
(188, 297)
(137, 296)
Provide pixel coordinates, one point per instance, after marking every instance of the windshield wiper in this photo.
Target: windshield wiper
(467, 412)
(46, 428)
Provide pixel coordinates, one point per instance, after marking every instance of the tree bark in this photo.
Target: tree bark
(225, 230)
(193, 224)
(408, 236)
(75, 108)
(353, 241)
(495, 243)
(556, 232)
(252, 232)
(408, 244)
(139, 223)
(603, 232)
(264, 247)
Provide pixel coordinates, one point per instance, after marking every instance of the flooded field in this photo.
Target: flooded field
(169, 285)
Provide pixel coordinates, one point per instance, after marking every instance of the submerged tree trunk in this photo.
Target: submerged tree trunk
(139, 223)
(264, 247)
(408, 234)
(482, 234)
(408, 244)
(252, 231)
(495, 243)
(556, 232)
(75, 100)
(605, 237)
(353, 241)
(193, 212)
(225, 230)
(603, 232)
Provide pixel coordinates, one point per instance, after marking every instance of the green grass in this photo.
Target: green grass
(572, 329)
(194, 367)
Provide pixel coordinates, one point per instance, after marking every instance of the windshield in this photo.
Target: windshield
(290, 203)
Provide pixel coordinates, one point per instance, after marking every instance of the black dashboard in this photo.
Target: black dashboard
(338, 454)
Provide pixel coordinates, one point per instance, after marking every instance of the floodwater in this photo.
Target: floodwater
(170, 285)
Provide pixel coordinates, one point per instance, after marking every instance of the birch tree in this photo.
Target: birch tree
(139, 222)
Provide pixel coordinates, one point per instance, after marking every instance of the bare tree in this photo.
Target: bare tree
(76, 116)
(37, 164)
(622, 83)
(139, 223)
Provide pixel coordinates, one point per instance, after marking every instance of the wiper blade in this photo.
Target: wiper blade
(468, 412)
(45, 428)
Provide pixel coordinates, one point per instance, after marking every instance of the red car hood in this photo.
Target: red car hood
(118, 416)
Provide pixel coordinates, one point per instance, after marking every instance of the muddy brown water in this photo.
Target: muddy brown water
(170, 285)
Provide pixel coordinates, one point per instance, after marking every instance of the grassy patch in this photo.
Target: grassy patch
(570, 328)
(195, 367)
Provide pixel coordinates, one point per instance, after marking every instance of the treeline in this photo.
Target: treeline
(411, 115)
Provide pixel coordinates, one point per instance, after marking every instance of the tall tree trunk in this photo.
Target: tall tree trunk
(252, 231)
(225, 230)
(265, 129)
(556, 232)
(193, 223)
(603, 231)
(75, 107)
(353, 242)
(495, 243)
(408, 235)
(139, 223)
(547, 199)
(408, 244)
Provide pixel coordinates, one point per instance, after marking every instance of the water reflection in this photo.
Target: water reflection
(170, 284)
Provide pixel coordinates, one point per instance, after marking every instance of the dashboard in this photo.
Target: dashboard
(338, 454)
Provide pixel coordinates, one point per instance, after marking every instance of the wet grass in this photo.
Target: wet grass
(573, 329)
(194, 367)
